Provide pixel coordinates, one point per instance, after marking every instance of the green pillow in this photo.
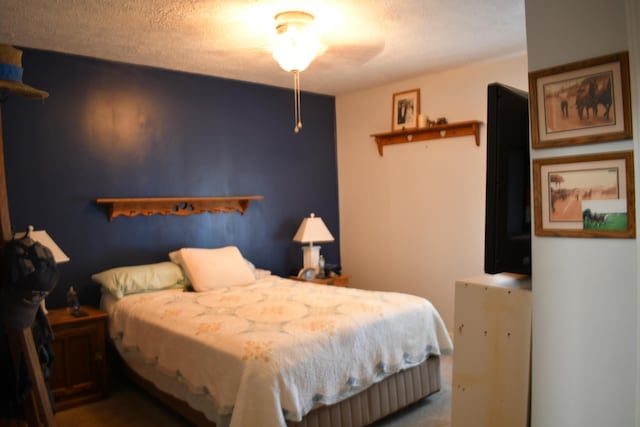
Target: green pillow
(122, 281)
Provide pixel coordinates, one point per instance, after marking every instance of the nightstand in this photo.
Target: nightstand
(342, 280)
(79, 372)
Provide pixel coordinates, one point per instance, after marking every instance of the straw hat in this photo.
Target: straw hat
(11, 73)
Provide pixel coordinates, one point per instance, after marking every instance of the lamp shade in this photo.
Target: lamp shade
(42, 237)
(294, 53)
(296, 44)
(312, 230)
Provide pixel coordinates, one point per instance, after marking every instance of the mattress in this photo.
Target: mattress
(277, 351)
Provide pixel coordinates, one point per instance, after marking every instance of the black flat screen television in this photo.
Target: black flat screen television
(508, 197)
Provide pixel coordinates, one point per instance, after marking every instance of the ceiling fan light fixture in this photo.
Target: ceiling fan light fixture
(296, 44)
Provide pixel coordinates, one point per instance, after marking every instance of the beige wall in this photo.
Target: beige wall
(413, 220)
(585, 291)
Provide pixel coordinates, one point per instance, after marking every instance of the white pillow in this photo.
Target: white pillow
(122, 281)
(213, 268)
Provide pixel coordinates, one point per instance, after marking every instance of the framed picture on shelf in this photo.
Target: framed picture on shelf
(584, 196)
(581, 103)
(406, 108)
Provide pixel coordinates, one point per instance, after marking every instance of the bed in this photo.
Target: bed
(264, 350)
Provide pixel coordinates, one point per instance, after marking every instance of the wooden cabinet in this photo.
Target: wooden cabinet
(342, 280)
(491, 360)
(80, 367)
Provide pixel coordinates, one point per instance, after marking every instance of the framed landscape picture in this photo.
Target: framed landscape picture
(406, 108)
(585, 196)
(580, 103)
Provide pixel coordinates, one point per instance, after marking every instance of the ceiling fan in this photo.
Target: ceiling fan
(296, 45)
(323, 37)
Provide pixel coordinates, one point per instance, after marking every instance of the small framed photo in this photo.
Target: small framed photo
(581, 103)
(585, 196)
(406, 108)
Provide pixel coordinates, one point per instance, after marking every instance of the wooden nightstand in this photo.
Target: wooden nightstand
(79, 372)
(342, 280)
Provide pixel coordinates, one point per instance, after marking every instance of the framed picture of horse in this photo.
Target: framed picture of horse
(584, 196)
(581, 103)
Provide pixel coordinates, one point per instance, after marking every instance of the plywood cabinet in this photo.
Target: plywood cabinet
(491, 360)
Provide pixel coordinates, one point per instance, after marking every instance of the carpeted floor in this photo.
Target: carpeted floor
(128, 406)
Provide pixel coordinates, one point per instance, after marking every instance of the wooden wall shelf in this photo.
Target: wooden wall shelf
(451, 130)
(181, 206)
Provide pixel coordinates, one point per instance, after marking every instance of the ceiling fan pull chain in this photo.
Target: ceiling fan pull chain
(296, 95)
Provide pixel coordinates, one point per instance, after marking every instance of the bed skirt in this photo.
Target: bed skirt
(381, 399)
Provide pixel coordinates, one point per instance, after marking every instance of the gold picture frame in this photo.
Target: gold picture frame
(585, 196)
(405, 111)
(581, 103)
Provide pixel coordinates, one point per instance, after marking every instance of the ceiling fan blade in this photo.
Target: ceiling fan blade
(350, 54)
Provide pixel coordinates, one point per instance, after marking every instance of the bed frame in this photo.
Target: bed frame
(381, 399)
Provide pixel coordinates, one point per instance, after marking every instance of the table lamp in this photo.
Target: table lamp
(312, 230)
(44, 239)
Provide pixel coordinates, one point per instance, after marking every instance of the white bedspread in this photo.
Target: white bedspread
(277, 348)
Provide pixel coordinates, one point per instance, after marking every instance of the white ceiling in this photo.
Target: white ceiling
(370, 42)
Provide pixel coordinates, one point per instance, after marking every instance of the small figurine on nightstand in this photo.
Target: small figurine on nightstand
(73, 304)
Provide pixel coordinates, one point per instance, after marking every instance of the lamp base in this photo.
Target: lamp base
(311, 257)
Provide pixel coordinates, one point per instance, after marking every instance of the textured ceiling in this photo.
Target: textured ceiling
(369, 42)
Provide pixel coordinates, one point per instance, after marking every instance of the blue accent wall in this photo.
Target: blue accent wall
(117, 130)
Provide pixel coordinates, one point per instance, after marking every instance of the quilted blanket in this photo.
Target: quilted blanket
(277, 348)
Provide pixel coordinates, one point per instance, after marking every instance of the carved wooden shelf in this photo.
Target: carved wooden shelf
(181, 206)
(451, 130)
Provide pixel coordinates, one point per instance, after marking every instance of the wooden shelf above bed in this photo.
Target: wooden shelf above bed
(451, 130)
(181, 206)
